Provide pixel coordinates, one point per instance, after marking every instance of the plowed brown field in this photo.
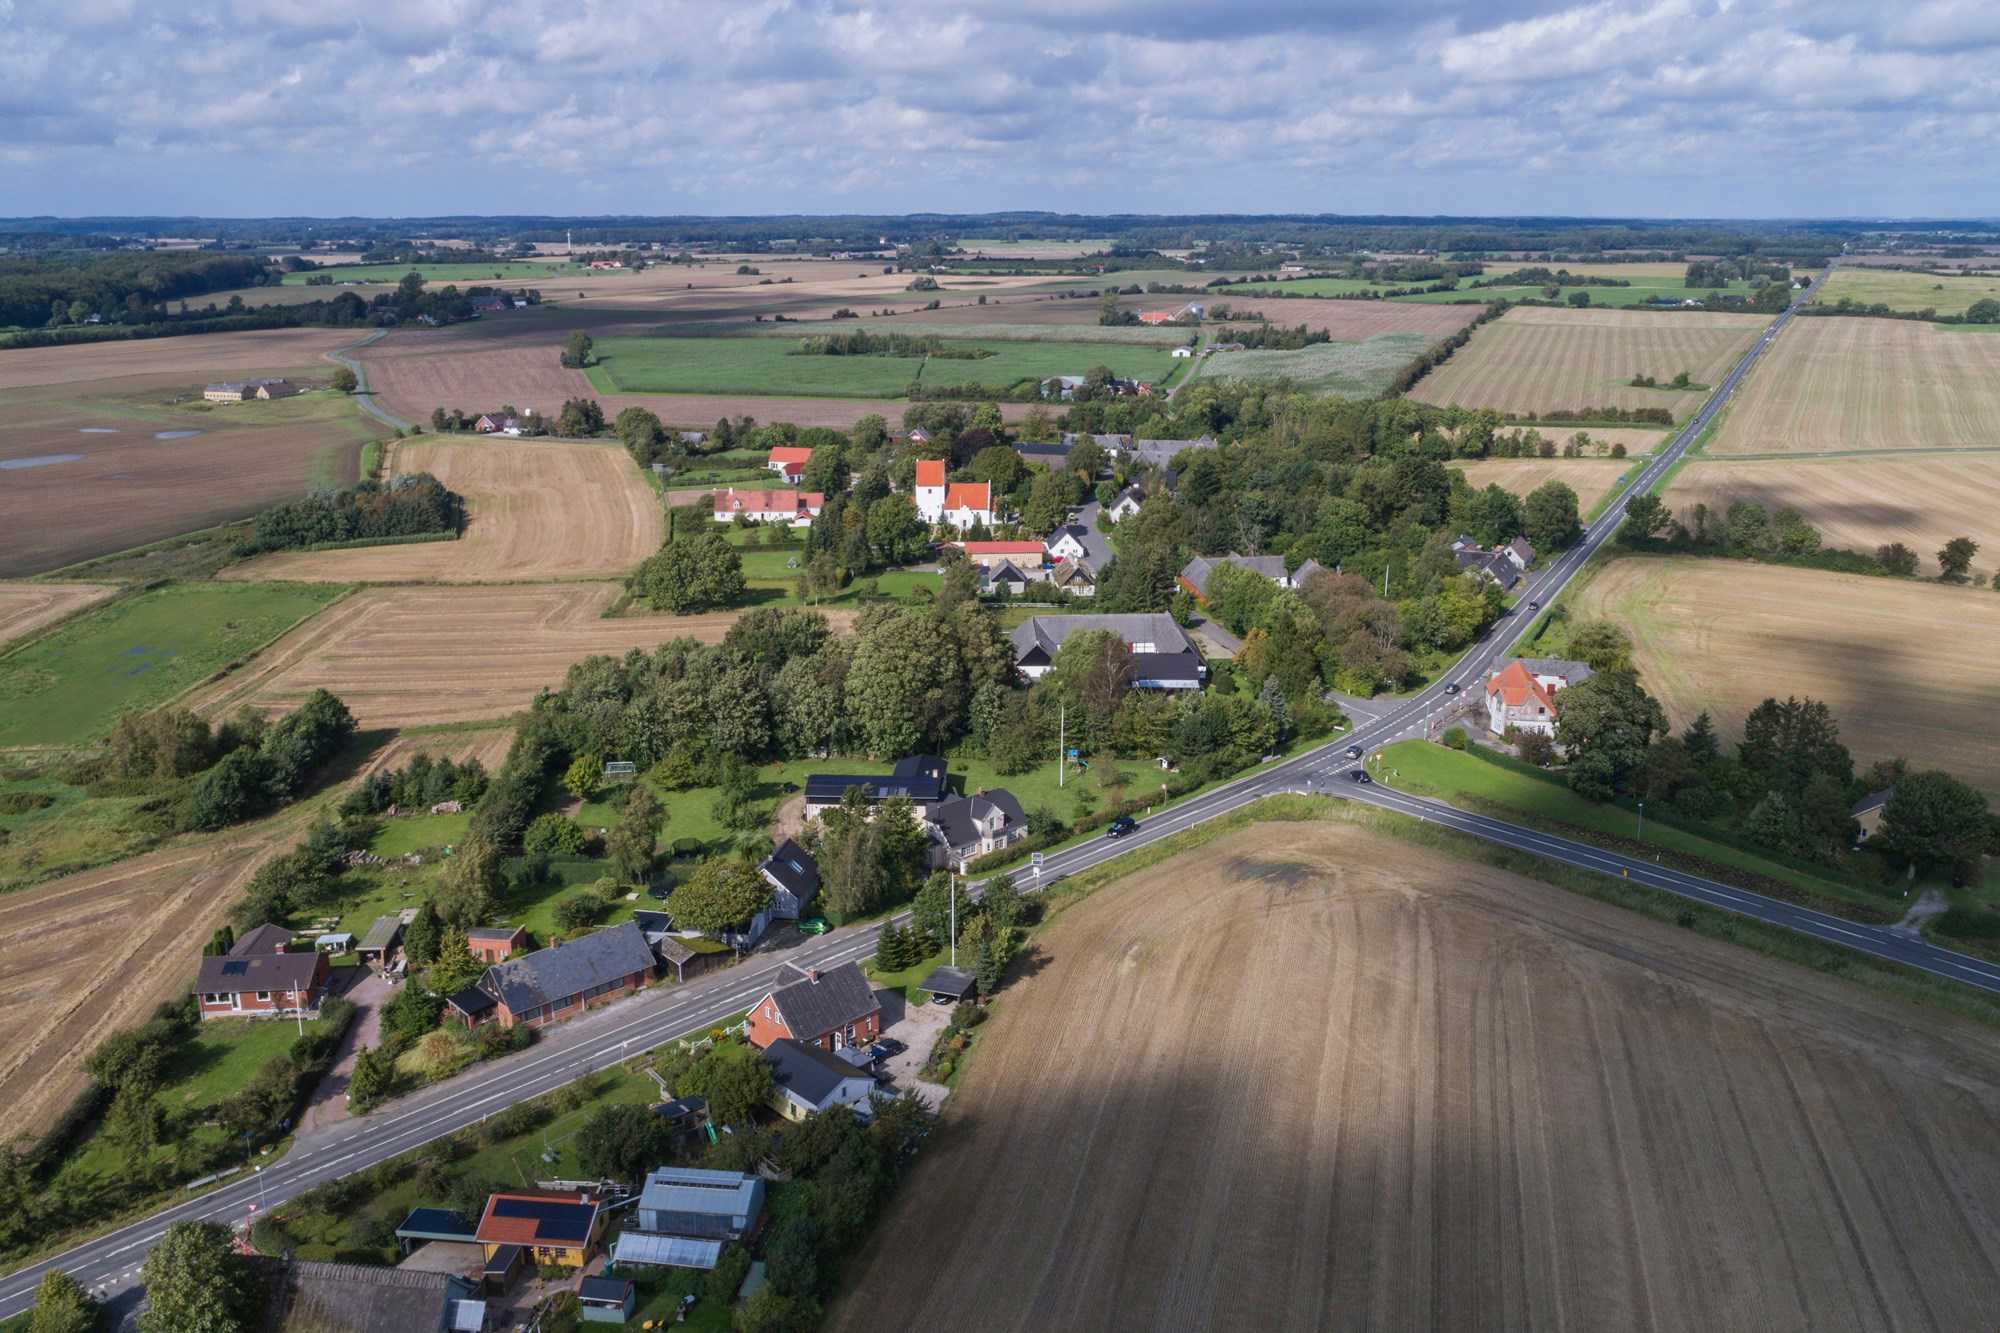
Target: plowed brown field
(1909, 669)
(1535, 359)
(402, 657)
(1922, 501)
(538, 511)
(1314, 1077)
(1591, 479)
(202, 357)
(86, 955)
(1831, 384)
(26, 607)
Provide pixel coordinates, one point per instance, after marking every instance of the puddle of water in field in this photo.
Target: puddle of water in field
(41, 460)
(175, 434)
(97, 430)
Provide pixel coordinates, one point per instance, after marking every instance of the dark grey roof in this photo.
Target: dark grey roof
(1572, 672)
(1004, 572)
(807, 1072)
(266, 938)
(1167, 666)
(794, 868)
(551, 976)
(812, 1008)
(1162, 452)
(1049, 632)
(382, 933)
(357, 1298)
(954, 817)
(492, 932)
(437, 1224)
(603, 1289)
(950, 981)
(472, 1001)
(232, 974)
(919, 777)
(1054, 456)
(1874, 800)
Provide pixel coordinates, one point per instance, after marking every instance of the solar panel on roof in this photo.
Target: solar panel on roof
(555, 1219)
(235, 969)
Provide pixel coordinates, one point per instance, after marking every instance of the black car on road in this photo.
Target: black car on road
(1353, 752)
(1121, 826)
(1359, 775)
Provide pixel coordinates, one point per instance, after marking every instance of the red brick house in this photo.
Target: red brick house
(262, 976)
(496, 944)
(550, 985)
(832, 1010)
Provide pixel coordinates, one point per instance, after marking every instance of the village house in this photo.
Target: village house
(495, 944)
(794, 879)
(835, 1010)
(686, 1215)
(543, 1229)
(958, 503)
(1109, 443)
(796, 508)
(1521, 695)
(1160, 453)
(1126, 505)
(1163, 657)
(1054, 457)
(1024, 554)
(1502, 564)
(919, 778)
(1182, 353)
(806, 1080)
(1867, 813)
(1007, 578)
(238, 391)
(262, 976)
(788, 462)
(1071, 541)
(1195, 577)
(550, 985)
(1076, 578)
(496, 423)
(966, 828)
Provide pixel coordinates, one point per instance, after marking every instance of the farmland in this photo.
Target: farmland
(1921, 500)
(760, 365)
(1333, 1079)
(192, 360)
(1909, 669)
(1831, 385)
(537, 511)
(511, 273)
(1345, 370)
(27, 607)
(1906, 291)
(1534, 360)
(404, 657)
(1355, 321)
(1591, 478)
(139, 652)
(86, 478)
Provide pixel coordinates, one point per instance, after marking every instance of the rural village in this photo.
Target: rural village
(1003, 770)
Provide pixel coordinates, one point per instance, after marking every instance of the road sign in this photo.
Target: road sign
(1073, 752)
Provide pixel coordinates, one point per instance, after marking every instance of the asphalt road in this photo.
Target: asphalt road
(110, 1263)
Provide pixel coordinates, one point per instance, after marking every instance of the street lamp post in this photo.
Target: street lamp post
(1642, 821)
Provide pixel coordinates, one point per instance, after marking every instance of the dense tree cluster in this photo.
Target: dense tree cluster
(61, 288)
(698, 571)
(249, 780)
(418, 785)
(416, 504)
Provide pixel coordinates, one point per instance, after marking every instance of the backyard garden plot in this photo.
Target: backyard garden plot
(27, 607)
(1909, 669)
(1341, 370)
(1495, 1105)
(536, 511)
(69, 686)
(1591, 478)
(417, 656)
(1906, 291)
(1836, 384)
(775, 365)
(1534, 360)
(1922, 501)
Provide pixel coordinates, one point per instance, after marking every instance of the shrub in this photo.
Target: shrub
(553, 835)
(579, 910)
(1455, 738)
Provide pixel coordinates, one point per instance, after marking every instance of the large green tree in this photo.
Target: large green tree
(630, 844)
(734, 1079)
(696, 572)
(906, 688)
(63, 1306)
(1934, 821)
(623, 1142)
(197, 1283)
(1955, 557)
(1605, 724)
(721, 893)
(1549, 516)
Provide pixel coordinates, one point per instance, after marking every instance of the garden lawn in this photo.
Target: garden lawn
(756, 365)
(398, 836)
(1491, 781)
(223, 1056)
(908, 979)
(139, 652)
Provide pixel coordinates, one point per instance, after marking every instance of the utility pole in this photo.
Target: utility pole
(1642, 821)
(954, 920)
(1062, 741)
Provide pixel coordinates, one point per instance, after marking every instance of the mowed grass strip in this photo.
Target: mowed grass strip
(69, 686)
(775, 366)
(1909, 669)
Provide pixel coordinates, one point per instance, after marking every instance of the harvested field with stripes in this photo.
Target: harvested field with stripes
(1534, 360)
(1314, 1076)
(402, 657)
(1909, 669)
(1922, 501)
(1591, 478)
(27, 607)
(1832, 384)
(537, 510)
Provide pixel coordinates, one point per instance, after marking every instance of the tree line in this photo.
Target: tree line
(412, 505)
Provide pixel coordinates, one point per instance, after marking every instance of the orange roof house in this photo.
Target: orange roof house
(1515, 699)
(969, 495)
(930, 472)
(547, 1228)
(788, 461)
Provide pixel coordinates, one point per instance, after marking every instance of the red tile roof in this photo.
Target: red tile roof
(969, 495)
(1002, 548)
(768, 502)
(785, 453)
(1517, 688)
(930, 472)
(538, 1219)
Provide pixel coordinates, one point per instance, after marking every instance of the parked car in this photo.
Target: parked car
(1359, 775)
(813, 925)
(886, 1047)
(1121, 826)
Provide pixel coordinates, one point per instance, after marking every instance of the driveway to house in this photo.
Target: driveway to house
(917, 1026)
(328, 1106)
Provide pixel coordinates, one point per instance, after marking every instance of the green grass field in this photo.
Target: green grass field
(1343, 370)
(139, 652)
(73, 832)
(511, 273)
(773, 366)
(1906, 291)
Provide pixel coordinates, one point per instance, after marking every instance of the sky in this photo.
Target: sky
(1674, 108)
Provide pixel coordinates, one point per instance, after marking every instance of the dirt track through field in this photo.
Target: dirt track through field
(1535, 359)
(26, 607)
(1313, 1077)
(1858, 504)
(417, 656)
(538, 511)
(1832, 384)
(1909, 669)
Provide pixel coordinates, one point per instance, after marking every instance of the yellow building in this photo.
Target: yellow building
(543, 1229)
